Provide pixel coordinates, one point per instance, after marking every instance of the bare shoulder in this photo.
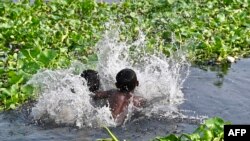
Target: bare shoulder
(119, 95)
(101, 95)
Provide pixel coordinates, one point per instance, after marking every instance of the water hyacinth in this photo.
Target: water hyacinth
(53, 33)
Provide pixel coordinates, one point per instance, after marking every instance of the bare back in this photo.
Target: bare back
(119, 102)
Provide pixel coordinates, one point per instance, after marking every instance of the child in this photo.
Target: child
(120, 99)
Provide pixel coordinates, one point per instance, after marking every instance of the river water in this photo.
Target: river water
(209, 93)
(203, 98)
(204, 94)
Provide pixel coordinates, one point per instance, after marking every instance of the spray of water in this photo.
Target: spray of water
(65, 99)
(160, 77)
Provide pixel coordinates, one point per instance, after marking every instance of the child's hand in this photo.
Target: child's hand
(139, 101)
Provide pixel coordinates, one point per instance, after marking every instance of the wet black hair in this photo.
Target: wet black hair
(126, 80)
(92, 78)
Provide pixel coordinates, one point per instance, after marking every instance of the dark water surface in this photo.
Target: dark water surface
(206, 94)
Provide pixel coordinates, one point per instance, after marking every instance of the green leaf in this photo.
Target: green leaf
(1, 70)
(214, 123)
(47, 56)
(31, 67)
(27, 89)
(15, 77)
(5, 91)
(111, 134)
(221, 17)
(133, 14)
(5, 25)
(207, 135)
(192, 137)
(12, 106)
(34, 52)
(53, 7)
(14, 89)
(171, 1)
(170, 137)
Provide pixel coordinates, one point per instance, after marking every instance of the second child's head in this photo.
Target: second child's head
(92, 78)
(126, 80)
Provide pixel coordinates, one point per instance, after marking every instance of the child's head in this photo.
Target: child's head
(92, 78)
(126, 80)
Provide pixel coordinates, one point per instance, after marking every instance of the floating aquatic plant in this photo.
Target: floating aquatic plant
(211, 130)
(49, 35)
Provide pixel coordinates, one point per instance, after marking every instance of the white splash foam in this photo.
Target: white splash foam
(65, 99)
(160, 77)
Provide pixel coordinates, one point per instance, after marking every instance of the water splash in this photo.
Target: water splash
(65, 99)
(160, 77)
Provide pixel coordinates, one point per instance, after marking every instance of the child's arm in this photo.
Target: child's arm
(139, 101)
(101, 95)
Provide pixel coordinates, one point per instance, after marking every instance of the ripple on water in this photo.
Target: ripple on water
(202, 98)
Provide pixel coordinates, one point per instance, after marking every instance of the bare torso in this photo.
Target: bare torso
(119, 102)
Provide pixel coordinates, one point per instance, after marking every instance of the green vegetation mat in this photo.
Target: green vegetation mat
(211, 130)
(41, 35)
